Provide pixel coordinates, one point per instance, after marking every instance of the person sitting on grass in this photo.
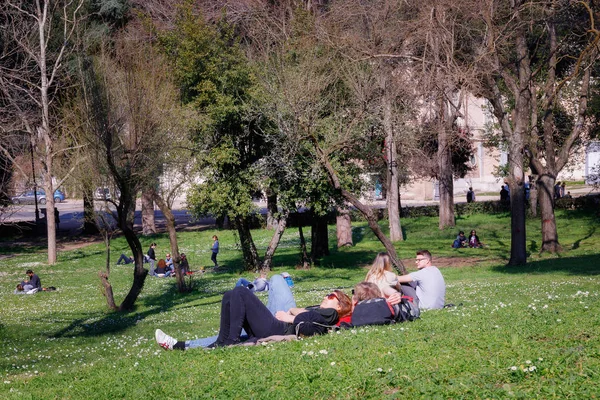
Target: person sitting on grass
(33, 281)
(242, 310)
(460, 241)
(161, 269)
(124, 259)
(474, 240)
(431, 288)
(169, 261)
(382, 276)
(184, 266)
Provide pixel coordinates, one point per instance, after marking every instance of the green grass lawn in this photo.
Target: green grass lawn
(522, 332)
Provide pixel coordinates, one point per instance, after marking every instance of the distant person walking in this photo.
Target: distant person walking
(470, 195)
(557, 190)
(56, 217)
(215, 250)
(504, 196)
(152, 258)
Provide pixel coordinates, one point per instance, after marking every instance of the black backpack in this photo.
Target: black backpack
(406, 310)
(372, 312)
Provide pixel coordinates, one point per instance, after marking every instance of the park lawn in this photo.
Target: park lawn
(523, 332)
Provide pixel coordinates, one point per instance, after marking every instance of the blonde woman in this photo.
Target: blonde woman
(381, 275)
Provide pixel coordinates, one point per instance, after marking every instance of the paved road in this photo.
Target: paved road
(71, 211)
(71, 216)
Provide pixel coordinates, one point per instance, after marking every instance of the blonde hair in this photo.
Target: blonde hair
(382, 263)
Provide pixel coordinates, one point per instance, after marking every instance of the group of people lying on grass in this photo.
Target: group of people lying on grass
(383, 297)
(462, 241)
(32, 284)
(164, 267)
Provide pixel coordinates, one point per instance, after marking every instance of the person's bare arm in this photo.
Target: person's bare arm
(285, 317)
(405, 278)
(394, 298)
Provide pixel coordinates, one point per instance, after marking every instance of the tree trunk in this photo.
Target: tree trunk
(546, 198)
(533, 198)
(268, 260)
(89, 214)
(319, 236)
(251, 259)
(139, 272)
(305, 261)
(344, 228)
(446, 182)
(518, 251)
(107, 287)
(50, 219)
(393, 183)
(272, 221)
(364, 210)
(126, 209)
(148, 225)
(171, 224)
(521, 119)
(107, 290)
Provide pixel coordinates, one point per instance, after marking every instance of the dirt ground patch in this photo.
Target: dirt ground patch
(446, 262)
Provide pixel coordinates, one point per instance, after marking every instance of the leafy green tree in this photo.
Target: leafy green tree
(216, 80)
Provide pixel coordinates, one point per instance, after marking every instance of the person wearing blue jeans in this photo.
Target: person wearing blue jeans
(125, 260)
(260, 284)
(152, 258)
(281, 298)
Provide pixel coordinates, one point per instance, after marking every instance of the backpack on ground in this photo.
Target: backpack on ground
(372, 312)
(406, 310)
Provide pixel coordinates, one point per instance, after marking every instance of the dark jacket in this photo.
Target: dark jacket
(315, 321)
(151, 254)
(34, 281)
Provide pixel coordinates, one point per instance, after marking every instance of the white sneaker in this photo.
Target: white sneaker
(165, 341)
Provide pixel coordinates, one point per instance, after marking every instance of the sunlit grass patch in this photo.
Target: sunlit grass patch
(524, 332)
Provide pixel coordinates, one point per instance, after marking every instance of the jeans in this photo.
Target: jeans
(151, 261)
(280, 299)
(213, 258)
(125, 259)
(242, 282)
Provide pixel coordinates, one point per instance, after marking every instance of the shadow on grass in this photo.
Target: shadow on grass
(583, 265)
(590, 233)
(115, 322)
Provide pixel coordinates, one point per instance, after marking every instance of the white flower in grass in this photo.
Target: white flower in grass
(7, 382)
(559, 320)
(221, 361)
(528, 362)
(332, 363)
(532, 368)
(379, 369)
(540, 359)
(323, 351)
(513, 368)
(310, 353)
